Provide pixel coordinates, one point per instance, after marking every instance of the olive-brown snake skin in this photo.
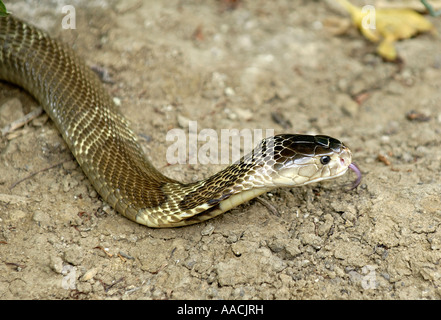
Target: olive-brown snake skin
(110, 156)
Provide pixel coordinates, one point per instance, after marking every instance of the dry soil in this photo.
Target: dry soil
(291, 66)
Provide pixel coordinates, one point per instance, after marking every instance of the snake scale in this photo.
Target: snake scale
(109, 154)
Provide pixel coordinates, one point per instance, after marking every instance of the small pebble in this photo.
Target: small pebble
(244, 114)
(70, 165)
(10, 111)
(89, 274)
(229, 92)
(56, 264)
(208, 230)
(183, 122)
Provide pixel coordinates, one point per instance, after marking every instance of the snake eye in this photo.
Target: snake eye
(325, 160)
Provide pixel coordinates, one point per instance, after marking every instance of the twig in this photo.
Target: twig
(269, 206)
(107, 287)
(21, 122)
(430, 9)
(36, 172)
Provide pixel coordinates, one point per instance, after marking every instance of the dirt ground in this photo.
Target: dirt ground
(233, 64)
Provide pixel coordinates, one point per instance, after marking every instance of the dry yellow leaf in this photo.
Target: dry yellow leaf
(387, 26)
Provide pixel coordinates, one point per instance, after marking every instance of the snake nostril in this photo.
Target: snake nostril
(342, 161)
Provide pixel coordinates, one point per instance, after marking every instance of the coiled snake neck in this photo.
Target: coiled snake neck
(109, 154)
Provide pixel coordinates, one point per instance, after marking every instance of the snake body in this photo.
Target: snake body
(109, 154)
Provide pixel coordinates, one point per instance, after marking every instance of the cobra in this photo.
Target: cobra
(109, 153)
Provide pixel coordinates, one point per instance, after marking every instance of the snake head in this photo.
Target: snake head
(304, 159)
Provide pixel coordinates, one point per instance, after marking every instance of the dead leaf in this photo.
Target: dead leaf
(387, 26)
